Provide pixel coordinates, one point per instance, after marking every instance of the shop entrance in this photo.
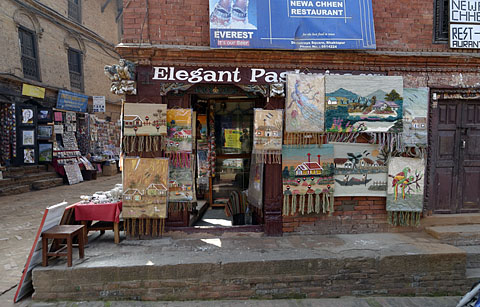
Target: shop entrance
(456, 157)
(224, 133)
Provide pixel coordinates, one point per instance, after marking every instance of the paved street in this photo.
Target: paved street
(20, 218)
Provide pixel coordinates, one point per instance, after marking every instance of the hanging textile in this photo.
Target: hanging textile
(405, 191)
(360, 170)
(307, 175)
(304, 109)
(145, 186)
(364, 103)
(179, 137)
(415, 112)
(180, 184)
(144, 125)
(255, 184)
(267, 138)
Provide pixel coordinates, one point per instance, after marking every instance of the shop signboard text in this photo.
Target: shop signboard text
(70, 101)
(464, 24)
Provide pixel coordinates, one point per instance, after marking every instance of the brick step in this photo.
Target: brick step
(473, 256)
(458, 235)
(450, 219)
(30, 178)
(13, 190)
(6, 182)
(26, 169)
(47, 183)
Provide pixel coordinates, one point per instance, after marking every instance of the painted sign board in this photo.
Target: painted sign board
(33, 91)
(292, 24)
(465, 36)
(72, 101)
(99, 104)
(465, 11)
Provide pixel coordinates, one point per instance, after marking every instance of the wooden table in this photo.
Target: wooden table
(107, 215)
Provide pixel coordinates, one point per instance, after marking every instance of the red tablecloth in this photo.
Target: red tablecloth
(98, 212)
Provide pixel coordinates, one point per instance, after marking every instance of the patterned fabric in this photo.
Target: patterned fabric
(142, 119)
(415, 112)
(145, 187)
(405, 190)
(364, 103)
(267, 138)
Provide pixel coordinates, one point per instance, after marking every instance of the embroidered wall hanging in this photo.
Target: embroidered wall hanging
(364, 103)
(304, 109)
(360, 170)
(145, 188)
(255, 184)
(267, 138)
(144, 124)
(415, 112)
(405, 191)
(179, 137)
(180, 185)
(307, 175)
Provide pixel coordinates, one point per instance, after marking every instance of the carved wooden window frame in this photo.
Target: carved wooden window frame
(440, 21)
(75, 69)
(29, 60)
(75, 10)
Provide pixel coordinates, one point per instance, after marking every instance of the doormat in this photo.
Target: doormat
(145, 185)
(415, 112)
(179, 137)
(364, 103)
(267, 138)
(307, 175)
(360, 170)
(405, 191)
(304, 109)
(144, 125)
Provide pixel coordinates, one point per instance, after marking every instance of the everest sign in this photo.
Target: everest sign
(292, 24)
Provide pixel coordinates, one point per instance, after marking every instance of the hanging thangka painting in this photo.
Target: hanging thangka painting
(360, 170)
(405, 191)
(145, 187)
(267, 138)
(144, 124)
(307, 175)
(415, 112)
(304, 109)
(364, 103)
(255, 184)
(179, 137)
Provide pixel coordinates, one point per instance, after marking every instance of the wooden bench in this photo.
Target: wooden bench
(59, 234)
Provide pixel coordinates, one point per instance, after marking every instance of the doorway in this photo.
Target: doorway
(455, 158)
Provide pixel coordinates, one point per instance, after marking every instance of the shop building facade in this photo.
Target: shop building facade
(176, 66)
(49, 48)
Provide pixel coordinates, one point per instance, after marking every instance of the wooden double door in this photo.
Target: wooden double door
(455, 160)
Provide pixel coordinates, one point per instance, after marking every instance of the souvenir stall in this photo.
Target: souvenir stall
(104, 144)
(8, 137)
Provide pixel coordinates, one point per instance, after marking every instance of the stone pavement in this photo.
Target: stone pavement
(20, 218)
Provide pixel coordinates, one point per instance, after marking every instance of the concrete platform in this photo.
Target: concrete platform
(456, 234)
(252, 266)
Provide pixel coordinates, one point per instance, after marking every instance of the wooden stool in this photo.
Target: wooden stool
(62, 232)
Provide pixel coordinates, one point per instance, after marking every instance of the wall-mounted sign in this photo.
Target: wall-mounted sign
(72, 101)
(98, 104)
(33, 91)
(292, 24)
(464, 20)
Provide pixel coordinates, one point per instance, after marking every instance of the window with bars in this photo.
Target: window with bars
(74, 10)
(28, 46)
(76, 70)
(441, 21)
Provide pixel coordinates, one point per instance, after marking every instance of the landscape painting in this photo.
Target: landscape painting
(145, 186)
(360, 170)
(144, 119)
(179, 130)
(180, 185)
(268, 126)
(415, 112)
(364, 103)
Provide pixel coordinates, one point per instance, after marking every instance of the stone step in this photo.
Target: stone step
(47, 183)
(26, 169)
(473, 275)
(30, 178)
(450, 219)
(12, 190)
(458, 235)
(6, 182)
(473, 256)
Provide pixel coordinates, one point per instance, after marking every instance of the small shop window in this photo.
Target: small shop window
(441, 21)
(75, 69)
(29, 53)
(74, 10)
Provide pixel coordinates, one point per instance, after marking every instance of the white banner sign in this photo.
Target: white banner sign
(465, 11)
(98, 104)
(465, 36)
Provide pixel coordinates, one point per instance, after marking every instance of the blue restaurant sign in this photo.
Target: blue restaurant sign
(292, 24)
(70, 101)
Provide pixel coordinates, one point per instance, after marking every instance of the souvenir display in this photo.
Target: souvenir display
(28, 137)
(405, 191)
(415, 111)
(69, 141)
(267, 138)
(104, 136)
(58, 116)
(73, 172)
(28, 155)
(203, 170)
(145, 188)
(7, 133)
(45, 153)
(44, 132)
(212, 153)
(304, 109)
(44, 115)
(180, 185)
(307, 176)
(364, 103)
(179, 137)
(144, 124)
(360, 170)
(27, 116)
(255, 184)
